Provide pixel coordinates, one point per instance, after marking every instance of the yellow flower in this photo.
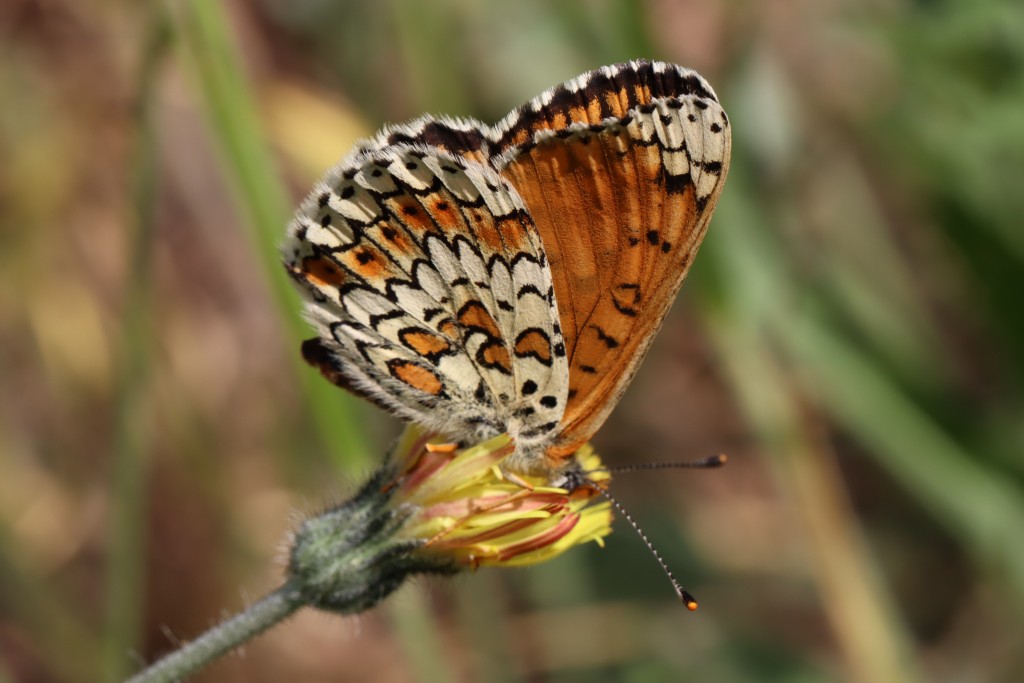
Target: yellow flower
(435, 509)
(467, 510)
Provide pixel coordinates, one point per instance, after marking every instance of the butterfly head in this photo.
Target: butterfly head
(582, 474)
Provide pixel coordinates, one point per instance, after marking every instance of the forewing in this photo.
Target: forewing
(424, 275)
(621, 169)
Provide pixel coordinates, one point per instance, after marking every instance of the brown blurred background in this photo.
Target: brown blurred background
(851, 335)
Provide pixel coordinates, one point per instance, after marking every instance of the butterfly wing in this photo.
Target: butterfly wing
(461, 137)
(621, 169)
(430, 292)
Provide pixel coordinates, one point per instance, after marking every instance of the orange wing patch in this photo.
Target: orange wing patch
(474, 318)
(494, 355)
(416, 376)
(449, 328)
(427, 345)
(410, 212)
(513, 233)
(617, 102)
(392, 238)
(444, 214)
(535, 344)
(366, 261)
(322, 271)
(489, 232)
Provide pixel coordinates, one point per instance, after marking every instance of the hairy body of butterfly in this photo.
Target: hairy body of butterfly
(479, 280)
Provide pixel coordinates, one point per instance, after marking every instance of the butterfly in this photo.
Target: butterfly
(479, 280)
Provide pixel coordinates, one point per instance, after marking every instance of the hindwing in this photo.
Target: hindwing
(430, 292)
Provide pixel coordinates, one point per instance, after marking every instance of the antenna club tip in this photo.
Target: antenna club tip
(722, 458)
(689, 601)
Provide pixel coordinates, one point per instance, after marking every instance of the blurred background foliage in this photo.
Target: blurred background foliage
(852, 335)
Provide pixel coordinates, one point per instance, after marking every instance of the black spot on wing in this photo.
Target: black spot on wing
(609, 341)
(530, 289)
(677, 184)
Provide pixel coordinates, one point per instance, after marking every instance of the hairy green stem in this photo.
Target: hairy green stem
(344, 560)
(251, 622)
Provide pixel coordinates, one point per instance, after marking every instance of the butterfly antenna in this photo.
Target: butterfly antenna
(688, 600)
(709, 463)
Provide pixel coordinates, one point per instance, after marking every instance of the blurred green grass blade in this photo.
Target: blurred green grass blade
(984, 510)
(876, 644)
(981, 507)
(265, 208)
(867, 275)
(962, 65)
(831, 226)
(127, 551)
(874, 641)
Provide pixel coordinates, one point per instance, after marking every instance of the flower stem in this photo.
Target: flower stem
(258, 617)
